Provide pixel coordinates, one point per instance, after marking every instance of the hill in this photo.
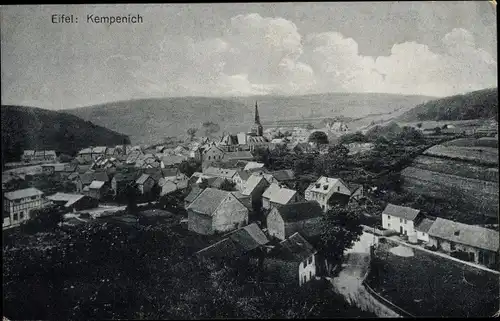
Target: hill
(473, 105)
(148, 121)
(36, 128)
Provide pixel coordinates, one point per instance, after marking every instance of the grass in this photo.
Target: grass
(431, 286)
(478, 155)
(473, 142)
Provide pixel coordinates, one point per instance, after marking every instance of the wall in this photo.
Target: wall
(394, 223)
(422, 236)
(230, 215)
(307, 270)
(275, 225)
(306, 228)
(199, 223)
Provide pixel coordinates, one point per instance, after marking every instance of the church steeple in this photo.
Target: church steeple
(257, 129)
(257, 118)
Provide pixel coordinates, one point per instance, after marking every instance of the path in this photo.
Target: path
(446, 256)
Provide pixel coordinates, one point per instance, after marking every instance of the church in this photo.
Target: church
(246, 141)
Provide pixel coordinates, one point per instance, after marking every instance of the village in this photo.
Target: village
(222, 188)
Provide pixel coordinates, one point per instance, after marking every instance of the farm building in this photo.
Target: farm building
(255, 187)
(98, 189)
(423, 228)
(216, 211)
(276, 196)
(73, 202)
(145, 183)
(401, 219)
(481, 245)
(303, 217)
(328, 191)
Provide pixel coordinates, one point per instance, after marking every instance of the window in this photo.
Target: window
(21, 215)
(388, 224)
(388, 217)
(208, 157)
(310, 275)
(33, 197)
(338, 188)
(15, 217)
(400, 220)
(406, 222)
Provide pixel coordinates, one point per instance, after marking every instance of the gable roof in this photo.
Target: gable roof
(278, 194)
(142, 179)
(300, 211)
(251, 165)
(87, 178)
(70, 199)
(22, 193)
(252, 183)
(471, 235)
(244, 175)
(125, 177)
(238, 155)
(324, 185)
(220, 172)
(96, 184)
(224, 248)
(283, 175)
(424, 225)
(296, 248)
(208, 201)
(195, 191)
(404, 212)
(172, 160)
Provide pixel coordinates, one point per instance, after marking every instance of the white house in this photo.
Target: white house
(401, 219)
(18, 204)
(325, 189)
(423, 228)
(212, 153)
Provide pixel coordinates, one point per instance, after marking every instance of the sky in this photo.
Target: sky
(428, 48)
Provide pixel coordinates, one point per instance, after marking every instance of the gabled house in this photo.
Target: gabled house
(254, 188)
(480, 245)
(18, 204)
(225, 173)
(244, 241)
(283, 176)
(121, 180)
(51, 169)
(240, 178)
(193, 194)
(85, 179)
(275, 196)
(145, 183)
(215, 211)
(253, 165)
(73, 202)
(401, 219)
(423, 226)
(98, 189)
(302, 217)
(296, 260)
(238, 155)
(327, 192)
(212, 153)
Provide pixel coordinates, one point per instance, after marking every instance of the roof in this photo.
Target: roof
(195, 191)
(244, 175)
(99, 150)
(296, 248)
(70, 199)
(252, 183)
(249, 237)
(300, 211)
(278, 195)
(251, 165)
(96, 184)
(170, 160)
(142, 179)
(208, 201)
(324, 185)
(424, 225)
(471, 235)
(216, 182)
(22, 193)
(404, 212)
(220, 172)
(238, 155)
(224, 248)
(87, 178)
(283, 175)
(125, 176)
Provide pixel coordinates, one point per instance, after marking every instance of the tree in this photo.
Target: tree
(318, 137)
(356, 137)
(44, 219)
(340, 228)
(419, 125)
(211, 128)
(132, 194)
(228, 186)
(192, 133)
(203, 184)
(190, 166)
(262, 155)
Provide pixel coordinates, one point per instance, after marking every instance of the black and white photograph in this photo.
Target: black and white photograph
(278, 160)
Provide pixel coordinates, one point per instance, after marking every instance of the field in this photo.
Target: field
(478, 194)
(431, 286)
(431, 124)
(473, 142)
(455, 167)
(480, 155)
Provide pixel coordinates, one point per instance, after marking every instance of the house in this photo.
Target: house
(253, 165)
(357, 191)
(255, 186)
(98, 189)
(243, 241)
(98, 151)
(38, 156)
(238, 155)
(168, 186)
(327, 192)
(74, 202)
(121, 180)
(302, 217)
(212, 153)
(401, 219)
(228, 174)
(83, 180)
(18, 204)
(240, 178)
(228, 143)
(283, 176)
(422, 228)
(145, 183)
(193, 194)
(275, 196)
(295, 260)
(216, 211)
(480, 244)
(51, 169)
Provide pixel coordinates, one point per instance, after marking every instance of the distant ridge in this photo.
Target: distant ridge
(149, 121)
(473, 105)
(37, 128)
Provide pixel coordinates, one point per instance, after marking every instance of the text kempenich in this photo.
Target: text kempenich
(114, 19)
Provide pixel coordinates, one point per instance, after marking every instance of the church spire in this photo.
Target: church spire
(257, 118)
